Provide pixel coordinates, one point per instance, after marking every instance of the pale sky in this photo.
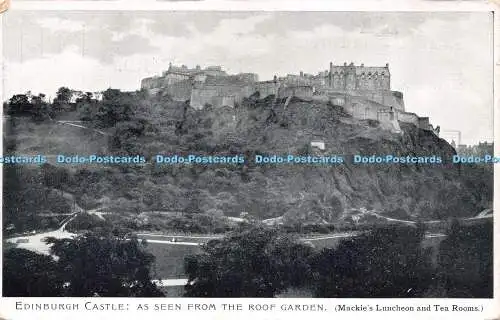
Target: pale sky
(442, 62)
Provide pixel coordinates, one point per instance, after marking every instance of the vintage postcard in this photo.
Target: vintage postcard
(312, 163)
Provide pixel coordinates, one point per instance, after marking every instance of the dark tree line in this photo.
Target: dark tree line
(255, 263)
(387, 262)
(115, 112)
(90, 265)
(261, 262)
(466, 261)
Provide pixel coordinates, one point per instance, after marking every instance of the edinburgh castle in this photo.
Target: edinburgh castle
(364, 92)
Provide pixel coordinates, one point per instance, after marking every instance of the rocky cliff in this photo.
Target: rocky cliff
(325, 192)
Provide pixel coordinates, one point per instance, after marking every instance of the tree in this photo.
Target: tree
(115, 107)
(104, 264)
(85, 97)
(465, 262)
(19, 104)
(63, 96)
(387, 262)
(255, 263)
(125, 136)
(28, 274)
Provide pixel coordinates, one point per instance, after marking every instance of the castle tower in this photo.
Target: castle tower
(387, 84)
(350, 77)
(330, 75)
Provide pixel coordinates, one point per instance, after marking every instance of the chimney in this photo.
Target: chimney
(331, 65)
(362, 64)
(387, 65)
(301, 74)
(198, 67)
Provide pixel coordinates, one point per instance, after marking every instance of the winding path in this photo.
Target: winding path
(73, 124)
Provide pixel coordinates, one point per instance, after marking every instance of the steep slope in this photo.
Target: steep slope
(295, 192)
(324, 192)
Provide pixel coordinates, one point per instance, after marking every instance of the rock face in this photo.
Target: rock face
(323, 193)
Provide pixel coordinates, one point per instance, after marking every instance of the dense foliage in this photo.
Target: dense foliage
(28, 274)
(256, 263)
(90, 265)
(466, 261)
(387, 262)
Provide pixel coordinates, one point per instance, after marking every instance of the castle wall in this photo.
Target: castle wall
(201, 96)
(319, 82)
(152, 83)
(180, 91)
(372, 82)
(305, 92)
(351, 77)
(338, 81)
(220, 95)
(365, 111)
(407, 117)
(388, 121)
(338, 101)
(267, 88)
(386, 116)
(248, 77)
(154, 91)
(222, 101)
(387, 98)
(201, 77)
(395, 100)
(214, 72)
(321, 98)
(296, 80)
(172, 78)
(360, 108)
(245, 92)
(423, 123)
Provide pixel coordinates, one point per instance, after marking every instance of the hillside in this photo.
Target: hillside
(50, 137)
(323, 192)
(311, 193)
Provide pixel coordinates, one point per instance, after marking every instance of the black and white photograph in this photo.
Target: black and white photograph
(248, 154)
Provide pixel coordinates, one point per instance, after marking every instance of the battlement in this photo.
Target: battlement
(352, 77)
(359, 69)
(185, 71)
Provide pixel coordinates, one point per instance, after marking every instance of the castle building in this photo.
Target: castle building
(222, 91)
(351, 77)
(363, 91)
(184, 75)
(373, 83)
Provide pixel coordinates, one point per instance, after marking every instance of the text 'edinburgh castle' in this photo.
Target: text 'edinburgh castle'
(364, 92)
